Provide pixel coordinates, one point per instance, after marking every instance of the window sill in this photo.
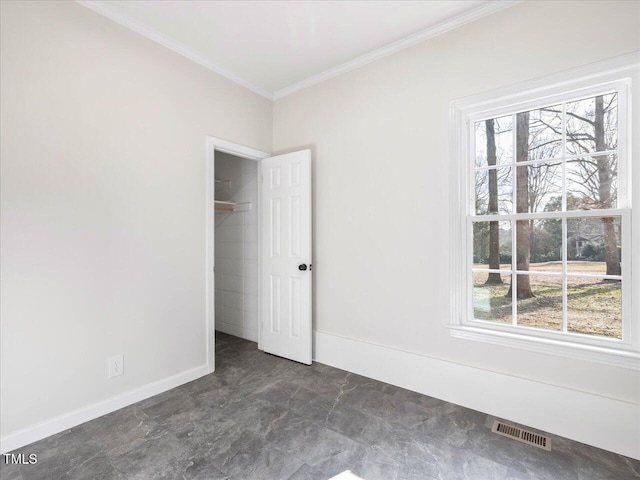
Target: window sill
(608, 356)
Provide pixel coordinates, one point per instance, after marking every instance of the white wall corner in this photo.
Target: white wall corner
(151, 34)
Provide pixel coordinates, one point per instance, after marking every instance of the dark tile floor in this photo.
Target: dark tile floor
(261, 417)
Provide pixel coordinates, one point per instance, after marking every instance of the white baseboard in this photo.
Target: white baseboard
(603, 422)
(68, 420)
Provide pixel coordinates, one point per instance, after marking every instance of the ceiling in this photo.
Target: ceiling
(277, 47)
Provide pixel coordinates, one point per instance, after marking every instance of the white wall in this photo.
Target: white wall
(379, 138)
(236, 248)
(103, 206)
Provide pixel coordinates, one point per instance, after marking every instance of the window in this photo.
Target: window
(543, 218)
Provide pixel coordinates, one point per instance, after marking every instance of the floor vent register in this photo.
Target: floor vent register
(521, 435)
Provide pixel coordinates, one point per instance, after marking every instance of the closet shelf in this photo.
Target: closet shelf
(218, 180)
(231, 207)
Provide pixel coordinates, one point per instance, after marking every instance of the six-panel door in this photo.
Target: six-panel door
(286, 256)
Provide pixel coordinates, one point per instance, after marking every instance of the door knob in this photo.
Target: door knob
(302, 267)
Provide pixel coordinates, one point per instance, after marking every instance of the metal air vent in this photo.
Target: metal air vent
(521, 435)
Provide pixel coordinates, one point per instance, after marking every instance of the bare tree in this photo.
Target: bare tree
(597, 175)
(523, 227)
(604, 191)
(544, 179)
(494, 278)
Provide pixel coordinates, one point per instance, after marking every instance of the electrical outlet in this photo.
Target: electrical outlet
(116, 366)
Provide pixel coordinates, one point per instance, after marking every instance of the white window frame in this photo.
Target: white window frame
(618, 74)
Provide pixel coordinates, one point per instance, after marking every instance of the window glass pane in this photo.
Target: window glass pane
(546, 161)
(594, 306)
(592, 124)
(539, 301)
(594, 245)
(494, 141)
(490, 297)
(493, 191)
(546, 245)
(592, 183)
(544, 126)
(540, 187)
(492, 245)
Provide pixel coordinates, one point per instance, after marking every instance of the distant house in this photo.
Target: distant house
(578, 241)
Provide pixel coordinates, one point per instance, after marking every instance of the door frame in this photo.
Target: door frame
(214, 144)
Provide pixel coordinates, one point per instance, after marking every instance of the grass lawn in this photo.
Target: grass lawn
(594, 306)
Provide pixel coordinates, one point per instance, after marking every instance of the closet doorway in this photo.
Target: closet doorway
(258, 240)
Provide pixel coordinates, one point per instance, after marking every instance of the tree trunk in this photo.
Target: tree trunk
(604, 190)
(523, 227)
(494, 229)
(611, 248)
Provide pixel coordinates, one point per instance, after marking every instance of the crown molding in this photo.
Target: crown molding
(177, 47)
(439, 29)
(406, 42)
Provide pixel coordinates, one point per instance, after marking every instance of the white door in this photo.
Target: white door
(286, 256)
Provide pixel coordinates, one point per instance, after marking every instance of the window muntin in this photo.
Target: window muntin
(545, 189)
